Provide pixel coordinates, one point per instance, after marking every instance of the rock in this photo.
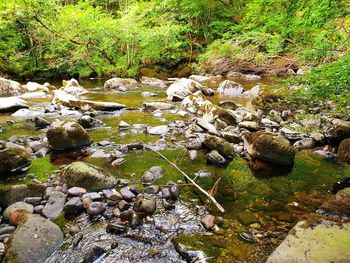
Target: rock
(117, 83)
(39, 209)
(116, 229)
(153, 106)
(215, 158)
(93, 254)
(72, 87)
(193, 154)
(34, 95)
(292, 135)
(323, 242)
(201, 122)
(54, 205)
(152, 189)
(87, 176)
(15, 193)
(269, 123)
(208, 221)
(253, 93)
(168, 205)
(166, 193)
(112, 194)
(251, 77)
(181, 88)
(124, 125)
(339, 131)
(145, 204)
(126, 193)
(174, 192)
(74, 206)
(40, 123)
(96, 208)
(220, 145)
(19, 206)
(269, 148)
(2, 250)
(246, 237)
(199, 78)
(10, 88)
(230, 88)
(7, 230)
(148, 94)
(88, 122)
(158, 130)
(25, 113)
(67, 136)
(33, 200)
(33, 241)
(154, 82)
(76, 191)
(275, 116)
(12, 104)
(340, 204)
(75, 229)
(228, 104)
(152, 174)
(36, 145)
(123, 205)
(13, 160)
(34, 87)
(249, 125)
(307, 143)
(344, 150)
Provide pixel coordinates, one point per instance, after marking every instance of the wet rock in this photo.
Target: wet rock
(220, 145)
(126, 193)
(19, 206)
(33, 200)
(158, 130)
(126, 216)
(174, 191)
(116, 229)
(123, 205)
(339, 131)
(13, 160)
(93, 254)
(7, 230)
(33, 241)
(96, 208)
(168, 205)
(208, 221)
(181, 88)
(152, 189)
(88, 122)
(166, 193)
(67, 135)
(76, 191)
(230, 88)
(339, 204)
(119, 83)
(10, 88)
(246, 237)
(188, 254)
(153, 106)
(145, 204)
(12, 104)
(87, 176)
(307, 242)
(54, 205)
(344, 150)
(112, 194)
(215, 158)
(77, 238)
(74, 206)
(307, 143)
(116, 212)
(269, 148)
(15, 193)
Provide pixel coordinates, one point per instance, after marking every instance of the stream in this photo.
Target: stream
(264, 203)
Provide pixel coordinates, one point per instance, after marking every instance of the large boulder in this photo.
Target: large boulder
(67, 136)
(230, 88)
(13, 159)
(225, 148)
(339, 131)
(344, 150)
(68, 100)
(87, 176)
(119, 83)
(10, 88)
(269, 148)
(15, 193)
(34, 241)
(309, 243)
(181, 88)
(12, 104)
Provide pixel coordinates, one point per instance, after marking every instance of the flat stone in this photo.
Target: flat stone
(127, 194)
(112, 194)
(73, 206)
(54, 205)
(76, 191)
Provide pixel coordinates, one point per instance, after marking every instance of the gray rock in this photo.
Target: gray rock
(33, 241)
(215, 158)
(112, 194)
(76, 191)
(153, 106)
(73, 206)
(307, 143)
(230, 88)
(19, 206)
(158, 130)
(54, 205)
(89, 122)
(152, 189)
(33, 200)
(145, 204)
(96, 208)
(7, 230)
(126, 193)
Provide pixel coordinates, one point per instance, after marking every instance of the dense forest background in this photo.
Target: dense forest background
(52, 38)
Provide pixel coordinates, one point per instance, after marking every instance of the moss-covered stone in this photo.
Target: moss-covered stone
(221, 145)
(269, 148)
(67, 136)
(338, 132)
(87, 176)
(344, 150)
(13, 160)
(15, 193)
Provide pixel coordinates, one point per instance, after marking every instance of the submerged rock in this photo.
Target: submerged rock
(344, 150)
(87, 176)
(10, 88)
(181, 88)
(12, 104)
(12, 160)
(33, 241)
(339, 204)
(269, 148)
(67, 136)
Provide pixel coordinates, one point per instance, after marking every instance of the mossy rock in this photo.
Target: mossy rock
(339, 132)
(221, 145)
(225, 115)
(344, 150)
(87, 176)
(185, 72)
(68, 136)
(269, 148)
(13, 160)
(15, 193)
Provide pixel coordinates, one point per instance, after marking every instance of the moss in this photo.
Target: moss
(15, 193)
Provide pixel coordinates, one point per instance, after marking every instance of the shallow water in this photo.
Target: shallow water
(254, 203)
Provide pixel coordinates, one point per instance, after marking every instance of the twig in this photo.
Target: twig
(188, 178)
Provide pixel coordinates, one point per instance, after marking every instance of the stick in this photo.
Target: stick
(189, 179)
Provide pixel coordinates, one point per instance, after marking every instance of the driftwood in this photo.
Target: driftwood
(211, 198)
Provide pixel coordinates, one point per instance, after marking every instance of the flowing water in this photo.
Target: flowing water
(265, 202)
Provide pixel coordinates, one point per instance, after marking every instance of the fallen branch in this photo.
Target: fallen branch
(188, 178)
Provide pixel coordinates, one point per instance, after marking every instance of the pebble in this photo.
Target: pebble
(135, 189)
(112, 194)
(123, 182)
(116, 212)
(39, 209)
(123, 205)
(166, 193)
(4, 237)
(7, 230)
(146, 205)
(126, 215)
(94, 254)
(77, 238)
(94, 196)
(86, 201)
(73, 230)
(73, 206)
(76, 191)
(116, 229)
(208, 221)
(152, 189)
(54, 205)
(126, 193)
(167, 205)
(2, 249)
(95, 208)
(33, 200)
(247, 237)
